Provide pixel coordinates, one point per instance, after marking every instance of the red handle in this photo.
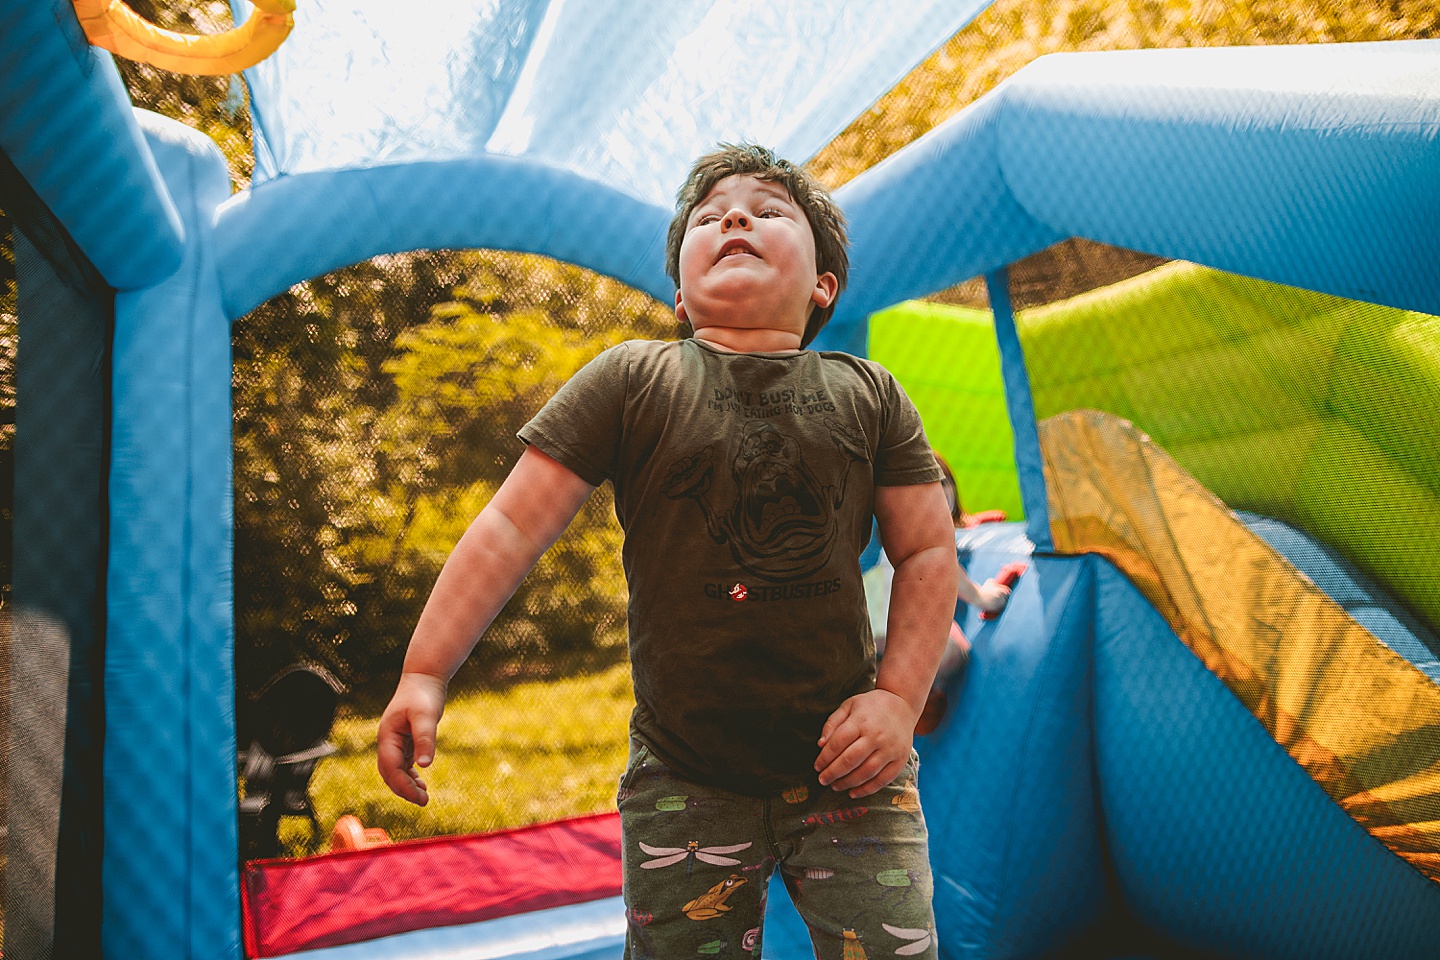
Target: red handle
(1006, 578)
(973, 520)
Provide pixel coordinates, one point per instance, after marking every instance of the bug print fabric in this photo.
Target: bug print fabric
(698, 862)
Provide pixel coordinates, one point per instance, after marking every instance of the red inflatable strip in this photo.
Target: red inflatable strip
(340, 898)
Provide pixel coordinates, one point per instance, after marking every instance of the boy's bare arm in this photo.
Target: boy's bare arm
(529, 512)
(867, 741)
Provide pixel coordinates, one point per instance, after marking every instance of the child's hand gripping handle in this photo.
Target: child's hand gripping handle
(1006, 578)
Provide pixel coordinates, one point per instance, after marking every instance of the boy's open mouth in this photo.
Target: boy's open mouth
(733, 248)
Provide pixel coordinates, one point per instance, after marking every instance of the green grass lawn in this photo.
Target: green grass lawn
(531, 752)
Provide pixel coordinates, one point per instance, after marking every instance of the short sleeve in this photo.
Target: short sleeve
(581, 425)
(904, 457)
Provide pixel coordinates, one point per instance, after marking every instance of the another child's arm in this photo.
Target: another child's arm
(988, 597)
(867, 741)
(529, 512)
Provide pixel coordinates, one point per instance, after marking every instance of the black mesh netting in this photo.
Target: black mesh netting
(376, 409)
(53, 469)
(7, 505)
(1308, 408)
(375, 414)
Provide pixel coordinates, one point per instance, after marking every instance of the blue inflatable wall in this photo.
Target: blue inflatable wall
(170, 794)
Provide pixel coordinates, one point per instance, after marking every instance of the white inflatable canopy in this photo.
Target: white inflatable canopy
(621, 92)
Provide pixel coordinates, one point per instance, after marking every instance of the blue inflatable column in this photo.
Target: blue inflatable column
(1029, 461)
(171, 886)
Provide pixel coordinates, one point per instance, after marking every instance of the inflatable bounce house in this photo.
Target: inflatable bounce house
(1208, 723)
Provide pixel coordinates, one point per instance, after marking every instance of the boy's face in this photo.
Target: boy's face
(748, 260)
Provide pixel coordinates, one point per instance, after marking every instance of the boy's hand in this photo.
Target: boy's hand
(866, 743)
(406, 738)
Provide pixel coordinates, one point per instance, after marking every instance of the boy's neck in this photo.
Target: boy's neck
(749, 340)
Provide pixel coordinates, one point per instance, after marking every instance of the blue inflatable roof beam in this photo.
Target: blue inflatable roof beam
(67, 125)
(1253, 160)
(1314, 166)
(288, 230)
(945, 191)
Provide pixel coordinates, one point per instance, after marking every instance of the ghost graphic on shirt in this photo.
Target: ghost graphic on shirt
(782, 523)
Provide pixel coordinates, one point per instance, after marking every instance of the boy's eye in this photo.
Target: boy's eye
(707, 218)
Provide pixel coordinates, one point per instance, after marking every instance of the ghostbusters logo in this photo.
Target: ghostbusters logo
(783, 521)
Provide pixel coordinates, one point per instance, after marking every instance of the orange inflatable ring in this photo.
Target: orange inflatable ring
(112, 25)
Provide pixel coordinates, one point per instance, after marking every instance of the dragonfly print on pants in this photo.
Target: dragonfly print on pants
(920, 939)
(692, 851)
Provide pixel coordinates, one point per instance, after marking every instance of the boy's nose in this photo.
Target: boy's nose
(735, 220)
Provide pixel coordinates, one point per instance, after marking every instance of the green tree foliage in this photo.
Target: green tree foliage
(376, 410)
(307, 387)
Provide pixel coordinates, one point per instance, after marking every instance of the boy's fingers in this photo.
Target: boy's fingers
(394, 757)
(840, 740)
(424, 744)
(862, 774)
(412, 790)
(880, 781)
(407, 786)
(843, 765)
(873, 764)
(389, 752)
(835, 719)
(392, 763)
(1000, 594)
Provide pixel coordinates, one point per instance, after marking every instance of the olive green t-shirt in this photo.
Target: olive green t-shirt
(745, 484)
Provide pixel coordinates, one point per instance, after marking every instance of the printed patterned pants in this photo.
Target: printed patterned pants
(698, 862)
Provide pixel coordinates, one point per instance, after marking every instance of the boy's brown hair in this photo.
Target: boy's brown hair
(827, 223)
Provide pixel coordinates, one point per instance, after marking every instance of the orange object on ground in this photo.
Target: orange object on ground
(351, 834)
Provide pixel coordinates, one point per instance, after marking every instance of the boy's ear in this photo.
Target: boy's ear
(680, 309)
(826, 289)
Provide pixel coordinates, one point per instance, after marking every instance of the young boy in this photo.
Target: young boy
(746, 471)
